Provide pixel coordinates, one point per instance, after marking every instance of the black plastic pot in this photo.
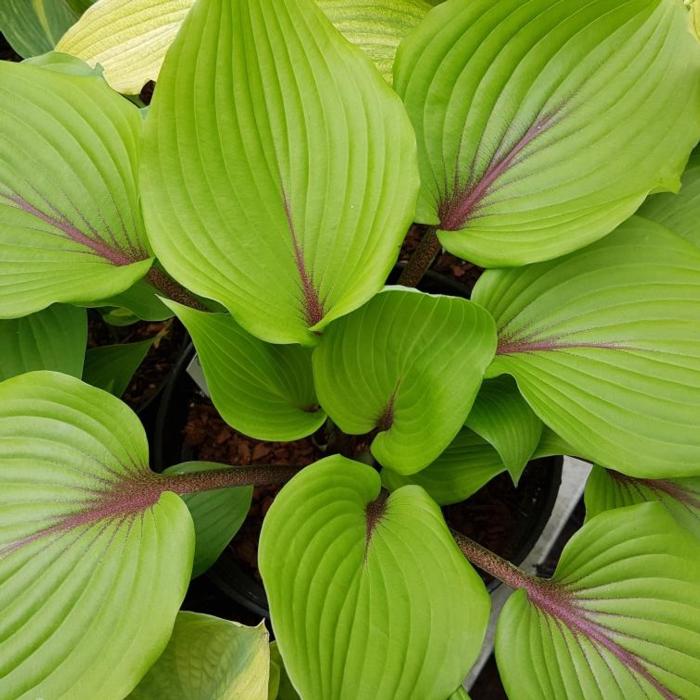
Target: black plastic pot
(535, 494)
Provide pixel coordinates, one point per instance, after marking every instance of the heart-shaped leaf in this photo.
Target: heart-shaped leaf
(111, 367)
(128, 38)
(265, 391)
(33, 28)
(52, 339)
(370, 596)
(460, 471)
(208, 658)
(605, 346)
(607, 489)
(543, 125)
(619, 620)
(292, 211)
(501, 416)
(377, 27)
(680, 212)
(94, 558)
(217, 515)
(408, 365)
(70, 227)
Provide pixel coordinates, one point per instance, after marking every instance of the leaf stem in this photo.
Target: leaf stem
(172, 289)
(422, 257)
(194, 482)
(491, 563)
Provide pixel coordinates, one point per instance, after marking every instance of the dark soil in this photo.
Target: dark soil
(170, 338)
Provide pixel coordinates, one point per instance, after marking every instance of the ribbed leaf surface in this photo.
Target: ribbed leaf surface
(33, 27)
(607, 489)
(621, 619)
(501, 416)
(369, 598)
(93, 565)
(460, 471)
(208, 658)
(70, 225)
(128, 38)
(605, 346)
(542, 125)
(291, 210)
(376, 27)
(408, 365)
(217, 515)
(53, 339)
(265, 391)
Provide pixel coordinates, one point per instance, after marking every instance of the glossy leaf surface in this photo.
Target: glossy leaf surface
(607, 489)
(208, 658)
(408, 365)
(53, 339)
(70, 226)
(217, 515)
(620, 620)
(128, 38)
(291, 212)
(369, 598)
(605, 346)
(543, 125)
(111, 367)
(265, 391)
(460, 471)
(93, 563)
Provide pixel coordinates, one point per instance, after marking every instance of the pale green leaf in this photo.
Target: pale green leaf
(53, 339)
(680, 212)
(217, 515)
(501, 416)
(208, 658)
(128, 38)
(63, 63)
(376, 27)
(460, 471)
(605, 346)
(265, 391)
(551, 445)
(291, 211)
(94, 558)
(607, 489)
(370, 598)
(408, 365)
(543, 125)
(620, 620)
(111, 367)
(33, 27)
(70, 225)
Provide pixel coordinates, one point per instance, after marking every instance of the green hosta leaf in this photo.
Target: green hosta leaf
(94, 558)
(292, 212)
(607, 489)
(551, 444)
(209, 659)
(217, 515)
(52, 339)
(63, 63)
(376, 27)
(111, 367)
(284, 690)
(605, 346)
(33, 27)
(370, 598)
(620, 620)
(128, 38)
(460, 471)
(70, 228)
(265, 391)
(408, 365)
(141, 301)
(543, 125)
(680, 212)
(501, 416)
(460, 694)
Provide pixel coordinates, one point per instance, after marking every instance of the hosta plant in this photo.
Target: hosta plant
(263, 199)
